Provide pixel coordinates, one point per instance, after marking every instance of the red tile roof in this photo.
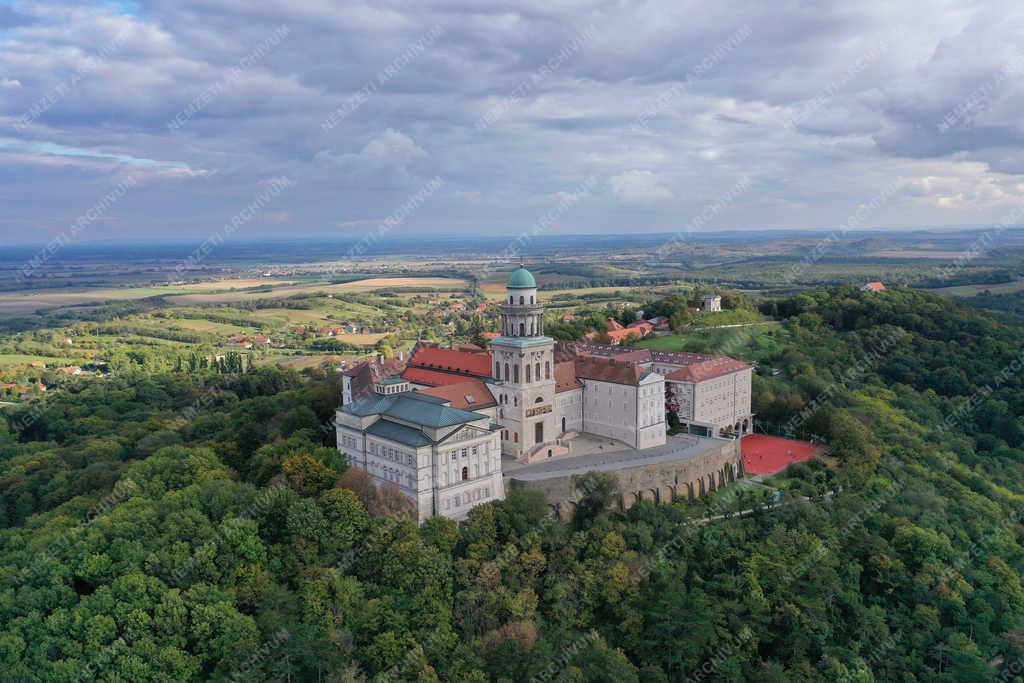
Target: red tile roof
(623, 354)
(642, 325)
(614, 325)
(716, 366)
(448, 360)
(763, 454)
(468, 395)
(367, 373)
(490, 335)
(696, 366)
(874, 286)
(432, 378)
(609, 370)
(679, 357)
(565, 377)
(620, 335)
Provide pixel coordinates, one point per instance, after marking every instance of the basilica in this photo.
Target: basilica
(440, 425)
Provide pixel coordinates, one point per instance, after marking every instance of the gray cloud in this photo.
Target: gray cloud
(882, 119)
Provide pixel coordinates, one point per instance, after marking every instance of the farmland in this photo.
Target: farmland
(300, 306)
(971, 290)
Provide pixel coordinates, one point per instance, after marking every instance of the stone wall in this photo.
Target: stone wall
(658, 483)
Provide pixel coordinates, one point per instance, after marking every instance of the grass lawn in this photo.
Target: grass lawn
(736, 317)
(196, 325)
(745, 343)
(9, 359)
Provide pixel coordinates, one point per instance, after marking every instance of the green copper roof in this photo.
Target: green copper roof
(428, 414)
(413, 407)
(400, 433)
(368, 405)
(521, 342)
(521, 278)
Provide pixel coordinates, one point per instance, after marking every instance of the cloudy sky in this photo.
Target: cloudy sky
(656, 107)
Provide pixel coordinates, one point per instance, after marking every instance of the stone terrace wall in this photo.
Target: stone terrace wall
(658, 483)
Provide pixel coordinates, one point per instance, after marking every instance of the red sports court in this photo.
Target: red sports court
(763, 454)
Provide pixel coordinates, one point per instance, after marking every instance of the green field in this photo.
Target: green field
(746, 343)
(11, 359)
(971, 290)
(211, 327)
(357, 286)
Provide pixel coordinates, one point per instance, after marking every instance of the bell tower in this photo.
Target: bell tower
(524, 368)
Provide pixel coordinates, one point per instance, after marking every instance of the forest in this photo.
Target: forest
(198, 524)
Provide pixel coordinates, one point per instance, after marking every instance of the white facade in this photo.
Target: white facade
(535, 418)
(716, 404)
(446, 471)
(633, 414)
(569, 410)
(524, 365)
(712, 303)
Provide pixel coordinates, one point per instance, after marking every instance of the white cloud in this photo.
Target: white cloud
(467, 197)
(387, 159)
(639, 187)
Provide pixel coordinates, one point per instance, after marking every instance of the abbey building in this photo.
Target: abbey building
(441, 428)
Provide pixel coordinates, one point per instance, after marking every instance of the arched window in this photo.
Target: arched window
(465, 473)
(497, 370)
(540, 399)
(563, 425)
(547, 369)
(522, 300)
(506, 372)
(527, 373)
(511, 300)
(522, 329)
(515, 373)
(515, 400)
(537, 371)
(531, 299)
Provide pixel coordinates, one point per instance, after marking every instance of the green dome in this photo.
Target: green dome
(521, 278)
